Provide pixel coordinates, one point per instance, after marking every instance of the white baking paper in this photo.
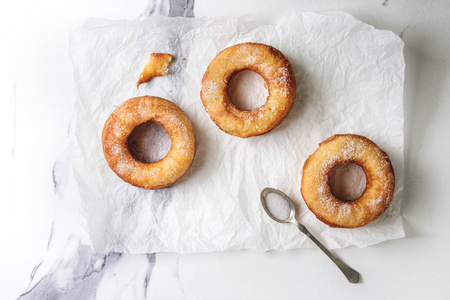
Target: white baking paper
(349, 80)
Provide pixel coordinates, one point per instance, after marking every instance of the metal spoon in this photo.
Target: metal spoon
(352, 275)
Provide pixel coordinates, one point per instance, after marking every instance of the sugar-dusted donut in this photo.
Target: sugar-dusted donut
(121, 123)
(380, 181)
(274, 68)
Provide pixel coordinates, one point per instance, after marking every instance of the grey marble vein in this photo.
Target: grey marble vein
(74, 276)
(403, 31)
(151, 257)
(177, 277)
(170, 8)
(182, 8)
(60, 172)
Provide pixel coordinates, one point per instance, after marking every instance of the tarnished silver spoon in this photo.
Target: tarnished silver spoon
(352, 275)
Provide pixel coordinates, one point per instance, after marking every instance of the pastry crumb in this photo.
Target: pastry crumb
(157, 65)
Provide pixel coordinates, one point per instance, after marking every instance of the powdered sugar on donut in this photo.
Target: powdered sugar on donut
(135, 163)
(344, 149)
(278, 76)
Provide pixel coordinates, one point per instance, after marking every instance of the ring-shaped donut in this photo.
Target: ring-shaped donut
(380, 181)
(125, 118)
(274, 68)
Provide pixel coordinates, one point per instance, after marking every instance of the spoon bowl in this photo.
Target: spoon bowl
(352, 275)
(265, 193)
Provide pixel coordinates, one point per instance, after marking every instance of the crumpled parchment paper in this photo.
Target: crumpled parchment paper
(349, 80)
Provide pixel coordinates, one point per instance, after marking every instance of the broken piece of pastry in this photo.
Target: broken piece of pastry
(157, 65)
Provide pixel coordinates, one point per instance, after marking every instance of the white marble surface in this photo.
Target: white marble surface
(42, 233)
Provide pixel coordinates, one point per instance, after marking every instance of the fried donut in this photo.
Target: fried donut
(134, 112)
(380, 181)
(275, 69)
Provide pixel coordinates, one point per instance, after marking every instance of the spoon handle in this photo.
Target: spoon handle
(352, 275)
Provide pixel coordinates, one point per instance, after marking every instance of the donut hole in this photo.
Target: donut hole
(149, 142)
(247, 90)
(347, 181)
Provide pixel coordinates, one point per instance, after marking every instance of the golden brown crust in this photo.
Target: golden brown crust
(157, 65)
(139, 110)
(380, 181)
(275, 69)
